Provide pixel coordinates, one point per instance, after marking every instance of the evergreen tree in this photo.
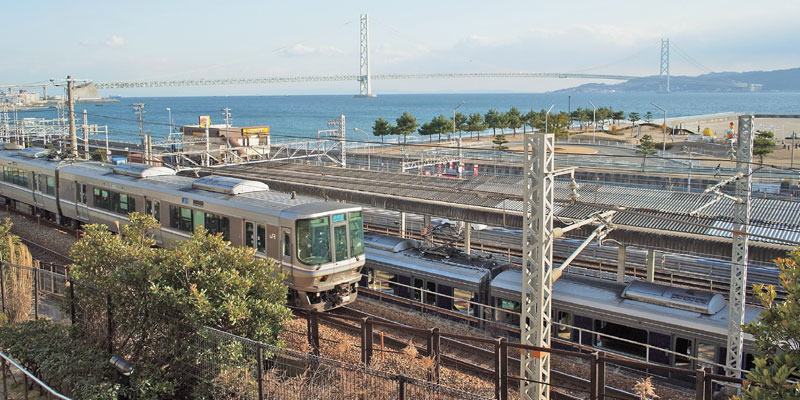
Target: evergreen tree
(763, 144)
(406, 125)
(500, 141)
(514, 119)
(646, 147)
(382, 128)
(460, 123)
(493, 120)
(648, 117)
(475, 123)
(776, 334)
(441, 125)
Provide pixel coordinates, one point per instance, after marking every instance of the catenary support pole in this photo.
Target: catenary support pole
(741, 221)
(73, 138)
(537, 264)
(467, 238)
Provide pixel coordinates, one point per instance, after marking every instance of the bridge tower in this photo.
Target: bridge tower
(364, 77)
(664, 71)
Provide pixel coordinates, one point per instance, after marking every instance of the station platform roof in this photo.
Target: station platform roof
(497, 201)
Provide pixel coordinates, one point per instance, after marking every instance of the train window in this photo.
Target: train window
(287, 245)
(684, 349)
(356, 234)
(510, 317)
(418, 283)
(80, 189)
(706, 352)
(622, 332)
(153, 207)
(561, 328)
(313, 241)
(462, 301)
(430, 296)
(50, 185)
(217, 224)
(261, 238)
(249, 231)
(15, 176)
(382, 281)
(180, 218)
(340, 242)
(749, 362)
(46, 182)
(119, 203)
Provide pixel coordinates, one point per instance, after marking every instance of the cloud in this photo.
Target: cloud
(115, 41)
(301, 50)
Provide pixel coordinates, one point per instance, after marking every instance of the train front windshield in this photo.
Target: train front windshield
(314, 238)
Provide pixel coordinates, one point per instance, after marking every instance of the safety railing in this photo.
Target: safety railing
(8, 366)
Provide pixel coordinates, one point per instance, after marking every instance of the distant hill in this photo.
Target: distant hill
(786, 80)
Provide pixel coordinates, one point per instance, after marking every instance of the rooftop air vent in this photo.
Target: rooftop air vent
(680, 298)
(228, 185)
(33, 152)
(142, 170)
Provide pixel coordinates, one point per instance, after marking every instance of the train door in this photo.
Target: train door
(286, 250)
(37, 191)
(255, 236)
(81, 206)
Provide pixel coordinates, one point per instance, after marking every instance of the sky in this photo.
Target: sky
(153, 40)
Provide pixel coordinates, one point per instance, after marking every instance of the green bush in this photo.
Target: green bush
(64, 362)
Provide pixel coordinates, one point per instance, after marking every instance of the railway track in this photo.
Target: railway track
(469, 357)
(691, 275)
(45, 254)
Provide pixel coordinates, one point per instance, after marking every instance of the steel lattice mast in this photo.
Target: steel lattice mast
(537, 285)
(364, 78)
(663, 73)
(741, 222)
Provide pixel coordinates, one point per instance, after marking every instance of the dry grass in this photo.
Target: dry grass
(19, 283)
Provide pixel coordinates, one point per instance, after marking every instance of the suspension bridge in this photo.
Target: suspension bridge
(365, 76)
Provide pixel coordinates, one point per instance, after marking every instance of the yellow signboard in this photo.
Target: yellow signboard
(205, 120)
(254, 130)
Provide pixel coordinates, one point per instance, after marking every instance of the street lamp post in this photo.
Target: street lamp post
(594, 121)
(664, 127)
(546, 115)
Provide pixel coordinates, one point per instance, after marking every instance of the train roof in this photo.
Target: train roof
(389, 243)
(605, 297)
(463, 277)
(11, 157)
(234, 192)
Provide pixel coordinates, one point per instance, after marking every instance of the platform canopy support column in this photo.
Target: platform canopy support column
(402, 224)
(537, 264)
(651, 265)
(467, 238)
(741, 221)
(621, 253)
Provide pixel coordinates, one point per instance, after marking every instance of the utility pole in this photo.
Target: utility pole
(793, 137)
(138, 108)
(73, 138)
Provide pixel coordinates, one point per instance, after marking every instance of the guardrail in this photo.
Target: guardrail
(7, 362)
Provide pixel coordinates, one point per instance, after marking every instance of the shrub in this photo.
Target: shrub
(61, 360)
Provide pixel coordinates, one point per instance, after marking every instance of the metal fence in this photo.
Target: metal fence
(227, 366)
